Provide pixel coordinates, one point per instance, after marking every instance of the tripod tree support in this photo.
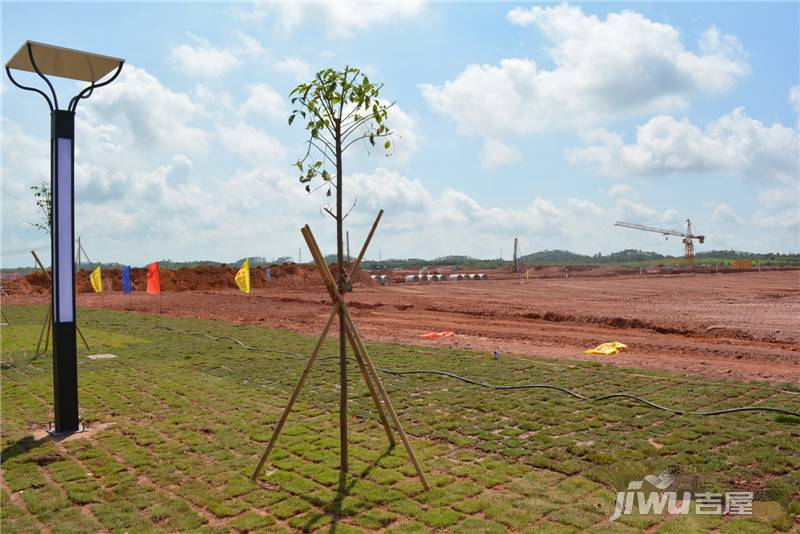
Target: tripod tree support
(46, 324)
(355, 344)
(47, 60)
(368, 371)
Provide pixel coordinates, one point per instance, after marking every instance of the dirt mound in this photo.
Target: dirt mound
(190, 279)
(30, 284)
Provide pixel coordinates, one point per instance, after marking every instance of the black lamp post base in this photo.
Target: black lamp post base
(51, 429)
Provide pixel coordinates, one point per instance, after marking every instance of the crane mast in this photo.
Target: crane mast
(688, 236)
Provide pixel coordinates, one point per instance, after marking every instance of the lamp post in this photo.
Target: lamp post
(44, 60)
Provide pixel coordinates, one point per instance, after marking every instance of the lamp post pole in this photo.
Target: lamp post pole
(44, 59)
(65, 352)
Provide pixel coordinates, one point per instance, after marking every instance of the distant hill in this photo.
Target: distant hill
(625, 258)
(634, 257)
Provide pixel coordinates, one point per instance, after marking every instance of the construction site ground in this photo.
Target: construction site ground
(725, 325)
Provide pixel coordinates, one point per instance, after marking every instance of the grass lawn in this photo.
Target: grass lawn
(179, 421)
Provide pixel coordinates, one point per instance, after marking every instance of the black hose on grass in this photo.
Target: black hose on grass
(506, 387)
(591, 399)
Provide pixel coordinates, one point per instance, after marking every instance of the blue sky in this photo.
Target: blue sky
(546, 122)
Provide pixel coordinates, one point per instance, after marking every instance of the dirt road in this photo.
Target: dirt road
(743, 325)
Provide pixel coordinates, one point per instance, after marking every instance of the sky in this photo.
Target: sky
(544, 122)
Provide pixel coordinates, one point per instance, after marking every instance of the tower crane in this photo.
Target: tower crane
(687, 236)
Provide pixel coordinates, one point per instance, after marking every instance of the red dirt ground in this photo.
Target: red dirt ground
(737, 325)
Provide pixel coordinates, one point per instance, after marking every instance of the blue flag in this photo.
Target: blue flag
(126, 279)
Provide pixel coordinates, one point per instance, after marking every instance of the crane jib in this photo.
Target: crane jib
(687, 236)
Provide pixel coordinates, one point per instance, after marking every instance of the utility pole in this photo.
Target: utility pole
(299, 255)
(516, 253)
(347, 234)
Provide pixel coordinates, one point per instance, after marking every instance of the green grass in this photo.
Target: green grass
(184, 419)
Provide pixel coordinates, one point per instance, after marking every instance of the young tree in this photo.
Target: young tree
(340, 108)
(45, 202)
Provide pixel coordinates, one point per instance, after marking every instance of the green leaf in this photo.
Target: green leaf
(291, 119)
(387, 144)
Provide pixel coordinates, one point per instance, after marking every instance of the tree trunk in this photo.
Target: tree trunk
(340, 279)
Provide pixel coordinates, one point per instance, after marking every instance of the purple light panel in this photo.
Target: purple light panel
(64, 286)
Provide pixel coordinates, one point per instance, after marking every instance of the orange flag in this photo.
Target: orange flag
(153, 279)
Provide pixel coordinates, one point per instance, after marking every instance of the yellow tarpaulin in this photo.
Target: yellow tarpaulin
(607, 349)
(242, 278)
(96, 278)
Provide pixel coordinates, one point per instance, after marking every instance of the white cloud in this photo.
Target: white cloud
(340, 19)
(630, 211)
(780, 211)
(419, 222)
(623, 65)
(253, 144)
(733, 143)
(139, 112)
(407, 137)
(264, 100)
(205, 60)
(25, 162)
(453, 222)
(618, 190)
(248, 45)
(298, 68)
(781, 220)
(214, 102)
(778, 198)
(495, 154)
(126, 205)
(721, 212)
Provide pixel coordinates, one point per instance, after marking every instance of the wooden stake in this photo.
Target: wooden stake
(333, 292)
(351, 328)
(368, 371)
(366, 244)
(295, 393)
(42, 332)
(83, 338)
(389, 408)
(49, 324)
(50, 311)
(366, 375)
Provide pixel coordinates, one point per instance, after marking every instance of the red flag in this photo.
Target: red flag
(153, 279)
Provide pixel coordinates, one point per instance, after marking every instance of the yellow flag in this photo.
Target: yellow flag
(96, 278)
(243, 277)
